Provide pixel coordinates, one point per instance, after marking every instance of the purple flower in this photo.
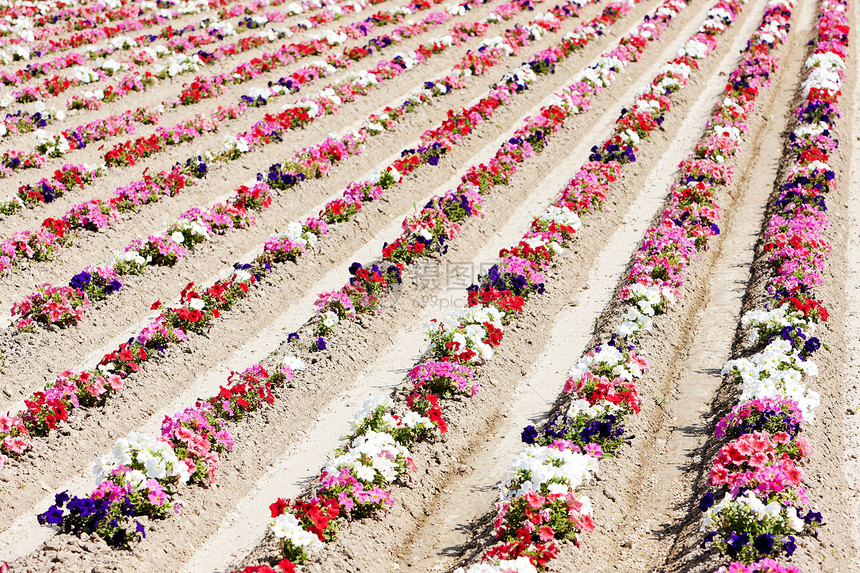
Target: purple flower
(529, 434)
(813, 517)
(812, 345)
(764, 543)
(707, 501)
(790, 545)
(54, 516)
(81, 280)
(736, 542)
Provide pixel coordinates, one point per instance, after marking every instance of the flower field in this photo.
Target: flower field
(389, 285)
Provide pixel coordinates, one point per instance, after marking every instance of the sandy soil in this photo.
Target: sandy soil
(645, 500)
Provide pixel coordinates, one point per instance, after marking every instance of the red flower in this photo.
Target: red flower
(126, 355)
(279, 506)
(494, 335)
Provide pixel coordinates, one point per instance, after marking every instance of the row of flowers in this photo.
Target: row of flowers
(180, 64)
(22, 122)
(128, 18)
(45, 409)
(601, 387)
(327, 101)
(47, 15)
(428, 231)
(444, 214)
(87, 15)
(292, 243)
(268, 130)
(25, 122)
(97, 214)
(25, 45)
(753, 510)
(78, 137)
(175, 38)
(142, 474)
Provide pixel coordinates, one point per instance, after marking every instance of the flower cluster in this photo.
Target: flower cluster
(61, 306)
(352, 484)
(142, 474)
(767, 528)
(466, 336)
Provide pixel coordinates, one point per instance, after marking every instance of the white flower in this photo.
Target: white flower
(330, 319)
(632, 322)
(177, 237)
(294, 363)
(413, 419)
(694, 49)
(136, 478)
(103, 467)
(236, 142)
(132, 257)
(539, 465)
(286, 526)
(793, 520)
(155, 468)
(135, 450)
(776, 370)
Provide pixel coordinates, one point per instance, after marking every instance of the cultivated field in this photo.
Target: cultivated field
(390, 285)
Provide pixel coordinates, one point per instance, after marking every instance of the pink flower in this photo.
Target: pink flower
(156, 494)
(184, 434)
(546, 533)
(345, 501)
(115, 382)
(17, 444)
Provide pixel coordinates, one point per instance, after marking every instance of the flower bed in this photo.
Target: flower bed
(755, 507)
(290, 245)
(46, 409)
